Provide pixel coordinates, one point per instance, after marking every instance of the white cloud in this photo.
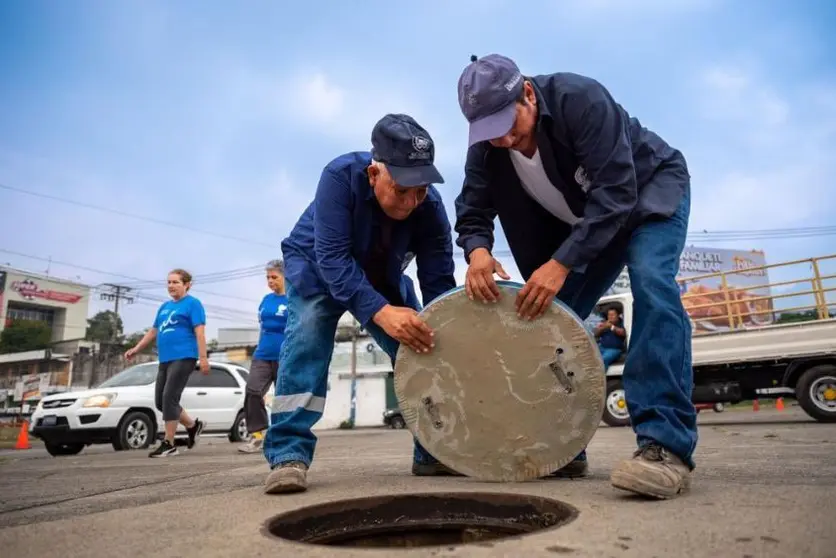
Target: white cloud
(735, 96)
(616, 12)
(328, 101)
(345, 112)
(636, 6)
(772, 164)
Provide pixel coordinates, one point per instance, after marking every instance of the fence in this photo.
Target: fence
(723, 306)
(90, 369)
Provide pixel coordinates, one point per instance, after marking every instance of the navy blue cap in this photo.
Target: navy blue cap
(488, 90)
(406, 149)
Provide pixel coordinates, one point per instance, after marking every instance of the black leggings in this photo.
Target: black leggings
(172, 378)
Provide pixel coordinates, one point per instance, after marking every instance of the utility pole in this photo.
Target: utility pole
(117, 294)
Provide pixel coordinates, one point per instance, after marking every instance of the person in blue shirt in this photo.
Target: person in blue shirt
(611, 335)
(272, 316)
(373, 212)
(582, 189)
(179, 328)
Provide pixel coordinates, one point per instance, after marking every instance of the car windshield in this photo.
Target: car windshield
(139, 375)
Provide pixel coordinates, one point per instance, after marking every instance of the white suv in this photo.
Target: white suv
(121, 410)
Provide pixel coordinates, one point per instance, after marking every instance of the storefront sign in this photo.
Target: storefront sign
(30, 290)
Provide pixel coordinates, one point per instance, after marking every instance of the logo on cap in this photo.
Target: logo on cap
(420, 143)
(512, 83)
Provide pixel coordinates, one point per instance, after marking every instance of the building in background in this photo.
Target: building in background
(61, 304)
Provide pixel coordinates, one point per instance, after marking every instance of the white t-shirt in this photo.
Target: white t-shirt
(536, 183)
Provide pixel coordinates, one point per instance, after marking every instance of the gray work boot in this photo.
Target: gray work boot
(575, 469)
(433, 470)
(287, 477)
(653, 471)
(253, 446)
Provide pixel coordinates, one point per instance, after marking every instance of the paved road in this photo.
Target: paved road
(763, 487)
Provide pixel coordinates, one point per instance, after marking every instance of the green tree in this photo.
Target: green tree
(25, 335)
(104, 327)
(134, 338)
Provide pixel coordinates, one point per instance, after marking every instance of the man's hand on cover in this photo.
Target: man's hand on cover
(479, 281)
(406, 326)
(541, 288)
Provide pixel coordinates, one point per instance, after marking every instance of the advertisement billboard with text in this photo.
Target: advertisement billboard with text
(705, 299)
(709, 304)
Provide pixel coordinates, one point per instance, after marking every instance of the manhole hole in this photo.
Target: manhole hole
(415, 520)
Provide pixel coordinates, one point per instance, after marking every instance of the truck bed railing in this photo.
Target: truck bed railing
(744, 307)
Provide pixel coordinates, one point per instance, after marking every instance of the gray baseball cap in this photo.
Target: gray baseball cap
(407, 150)
(488, 89)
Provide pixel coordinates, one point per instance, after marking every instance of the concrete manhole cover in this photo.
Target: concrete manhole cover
(500, 398)
(417, 520)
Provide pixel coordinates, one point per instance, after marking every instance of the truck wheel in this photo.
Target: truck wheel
(719, 407)
(615, 406)
(56, 450)
(135, 432)
(398, 422)
(816, 392)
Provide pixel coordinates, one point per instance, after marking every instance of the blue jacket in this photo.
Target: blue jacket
(601, 159)
(323, 254)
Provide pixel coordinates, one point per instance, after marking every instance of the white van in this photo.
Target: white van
(121, 411)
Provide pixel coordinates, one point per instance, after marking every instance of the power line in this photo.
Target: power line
(135, 216)
(213, 311)
(140, 282)
(220, 277)
(719, 235)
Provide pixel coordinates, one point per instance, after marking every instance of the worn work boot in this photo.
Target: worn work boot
(433, 470)
(287, 477)
(255, 445)
(575, 469)
(653, 471)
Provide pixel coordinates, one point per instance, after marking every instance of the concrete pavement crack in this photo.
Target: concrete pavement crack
(105, 492)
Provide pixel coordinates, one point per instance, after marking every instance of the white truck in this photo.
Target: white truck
(745, 349)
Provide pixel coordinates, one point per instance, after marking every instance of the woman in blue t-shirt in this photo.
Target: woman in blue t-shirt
(181, 343)
(272, 315)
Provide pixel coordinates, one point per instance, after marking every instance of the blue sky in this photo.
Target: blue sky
(220, 117)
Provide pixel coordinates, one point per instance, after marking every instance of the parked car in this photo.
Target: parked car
(393, 418)
(121, 411)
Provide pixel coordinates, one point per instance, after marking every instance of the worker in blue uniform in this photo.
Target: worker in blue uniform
(373, 212)
(582, 189)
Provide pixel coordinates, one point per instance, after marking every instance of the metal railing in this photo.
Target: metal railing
(744, 307)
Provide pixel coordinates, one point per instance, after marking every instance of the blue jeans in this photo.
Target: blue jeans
(610, 355)
(302, 380)
(658, 376)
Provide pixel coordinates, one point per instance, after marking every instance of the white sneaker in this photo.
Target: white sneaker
(254, 446)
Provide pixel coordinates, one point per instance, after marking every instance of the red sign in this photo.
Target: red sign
(29, 290)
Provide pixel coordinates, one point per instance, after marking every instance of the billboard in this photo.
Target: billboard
(705, 299)
(709, 304)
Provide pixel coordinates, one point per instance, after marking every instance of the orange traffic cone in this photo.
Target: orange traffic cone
(755, 405)
(780, 404)
(23, 437)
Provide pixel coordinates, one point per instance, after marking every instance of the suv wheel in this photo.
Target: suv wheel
(56, 450)
(239, 432)
(135, 432)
